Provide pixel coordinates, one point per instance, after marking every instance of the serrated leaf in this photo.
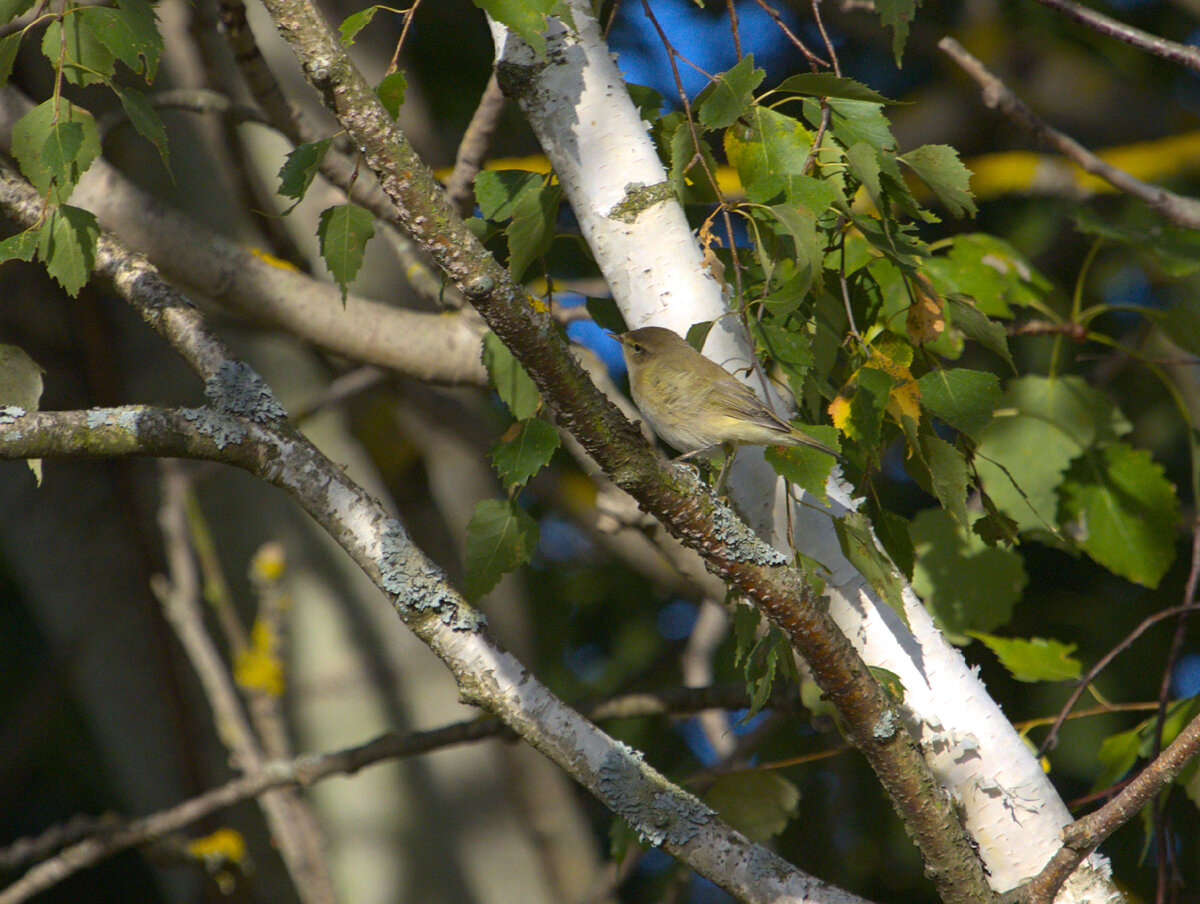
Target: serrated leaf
(889, 681)
(1041, 426)
(301, 167)
(948, 471)
(967, 585)
(896, 15)
(806, 467)
(826, 84)
(67, 246)
(355, 23)
(61, 150)
(497, 191)
(526, 17)
(765, 143)
(962, 398)
(145, 120)
(33, 132)
(86, 61)
(757, 803)
(344, 231)
(800, 225)
(1117, 753)
(535, 216)
(939, 167)
(506, 374)
(1118, 506)
(20, 246)
(1033, 660)
(500, 537)
(390, 92)
(9, 45)
(729, 95)
(989, 270)
(130, 32)
(10, 9)
(976, 325)
(519, 458)
(858, 546)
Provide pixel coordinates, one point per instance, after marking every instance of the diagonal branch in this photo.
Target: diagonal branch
(1184, 54)
(1180, 210)
(672, 495)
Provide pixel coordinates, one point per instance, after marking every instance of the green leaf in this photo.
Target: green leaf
(858, 546)
(807, 468)
(1119, 507)
(863, 161)
(518, 459)
(526, 17)
(948, 472)
(500, 537)
(67, 246)
(497, 191)
(939, 167)
(976, 325)
(800, 225)
(730, 95)
(34, 133)
(21, 385)
(967, 585)
(130, 32)
(301, 167)
(606, 315)
(1175, 250)
(9, 45)
(86, 61)
(1182, 323)
(355, 23)
(896, 15)
(535, 215)
(757, 803)
(697, 334)
(855, 121)
(20, 246)
(61, 150)
(10, 9)
(962, 398)
(1041, 426)
(1117, 753)
(145, 120)
(1033, 660)
(826, 84)
(343, 231)
(683, 151)
(765, 143)
(390, 92)
(991, 271)
(512, 384)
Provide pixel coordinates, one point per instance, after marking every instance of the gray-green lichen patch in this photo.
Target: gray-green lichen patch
(223, 430)
(639, 795)
(885, 726)
(639, 197)
(741, 542)
(10, 413)
(414, 582)
(238, 389)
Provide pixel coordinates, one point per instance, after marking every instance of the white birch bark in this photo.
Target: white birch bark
(603, 156)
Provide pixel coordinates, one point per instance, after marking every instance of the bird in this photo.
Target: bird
(694, 404)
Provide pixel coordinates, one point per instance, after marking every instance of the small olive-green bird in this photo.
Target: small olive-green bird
(693, 403)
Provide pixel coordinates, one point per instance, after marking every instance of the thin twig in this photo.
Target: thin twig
(1084, 835)
(474, 146)
(1183, 54)
(112, 838)
(1179, 210)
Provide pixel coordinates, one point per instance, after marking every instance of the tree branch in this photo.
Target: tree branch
(1180, 210)
(671, 494)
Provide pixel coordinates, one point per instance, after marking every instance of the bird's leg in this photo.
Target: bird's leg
(730, 451)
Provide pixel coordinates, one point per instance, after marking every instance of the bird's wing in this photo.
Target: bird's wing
(740, 398)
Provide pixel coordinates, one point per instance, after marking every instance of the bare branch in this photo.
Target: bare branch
(1180, 210)
(1183, 54)
(474, 146)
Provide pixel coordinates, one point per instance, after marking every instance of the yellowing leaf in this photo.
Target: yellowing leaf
(926, 320)
(905, 398)
(839, 412)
